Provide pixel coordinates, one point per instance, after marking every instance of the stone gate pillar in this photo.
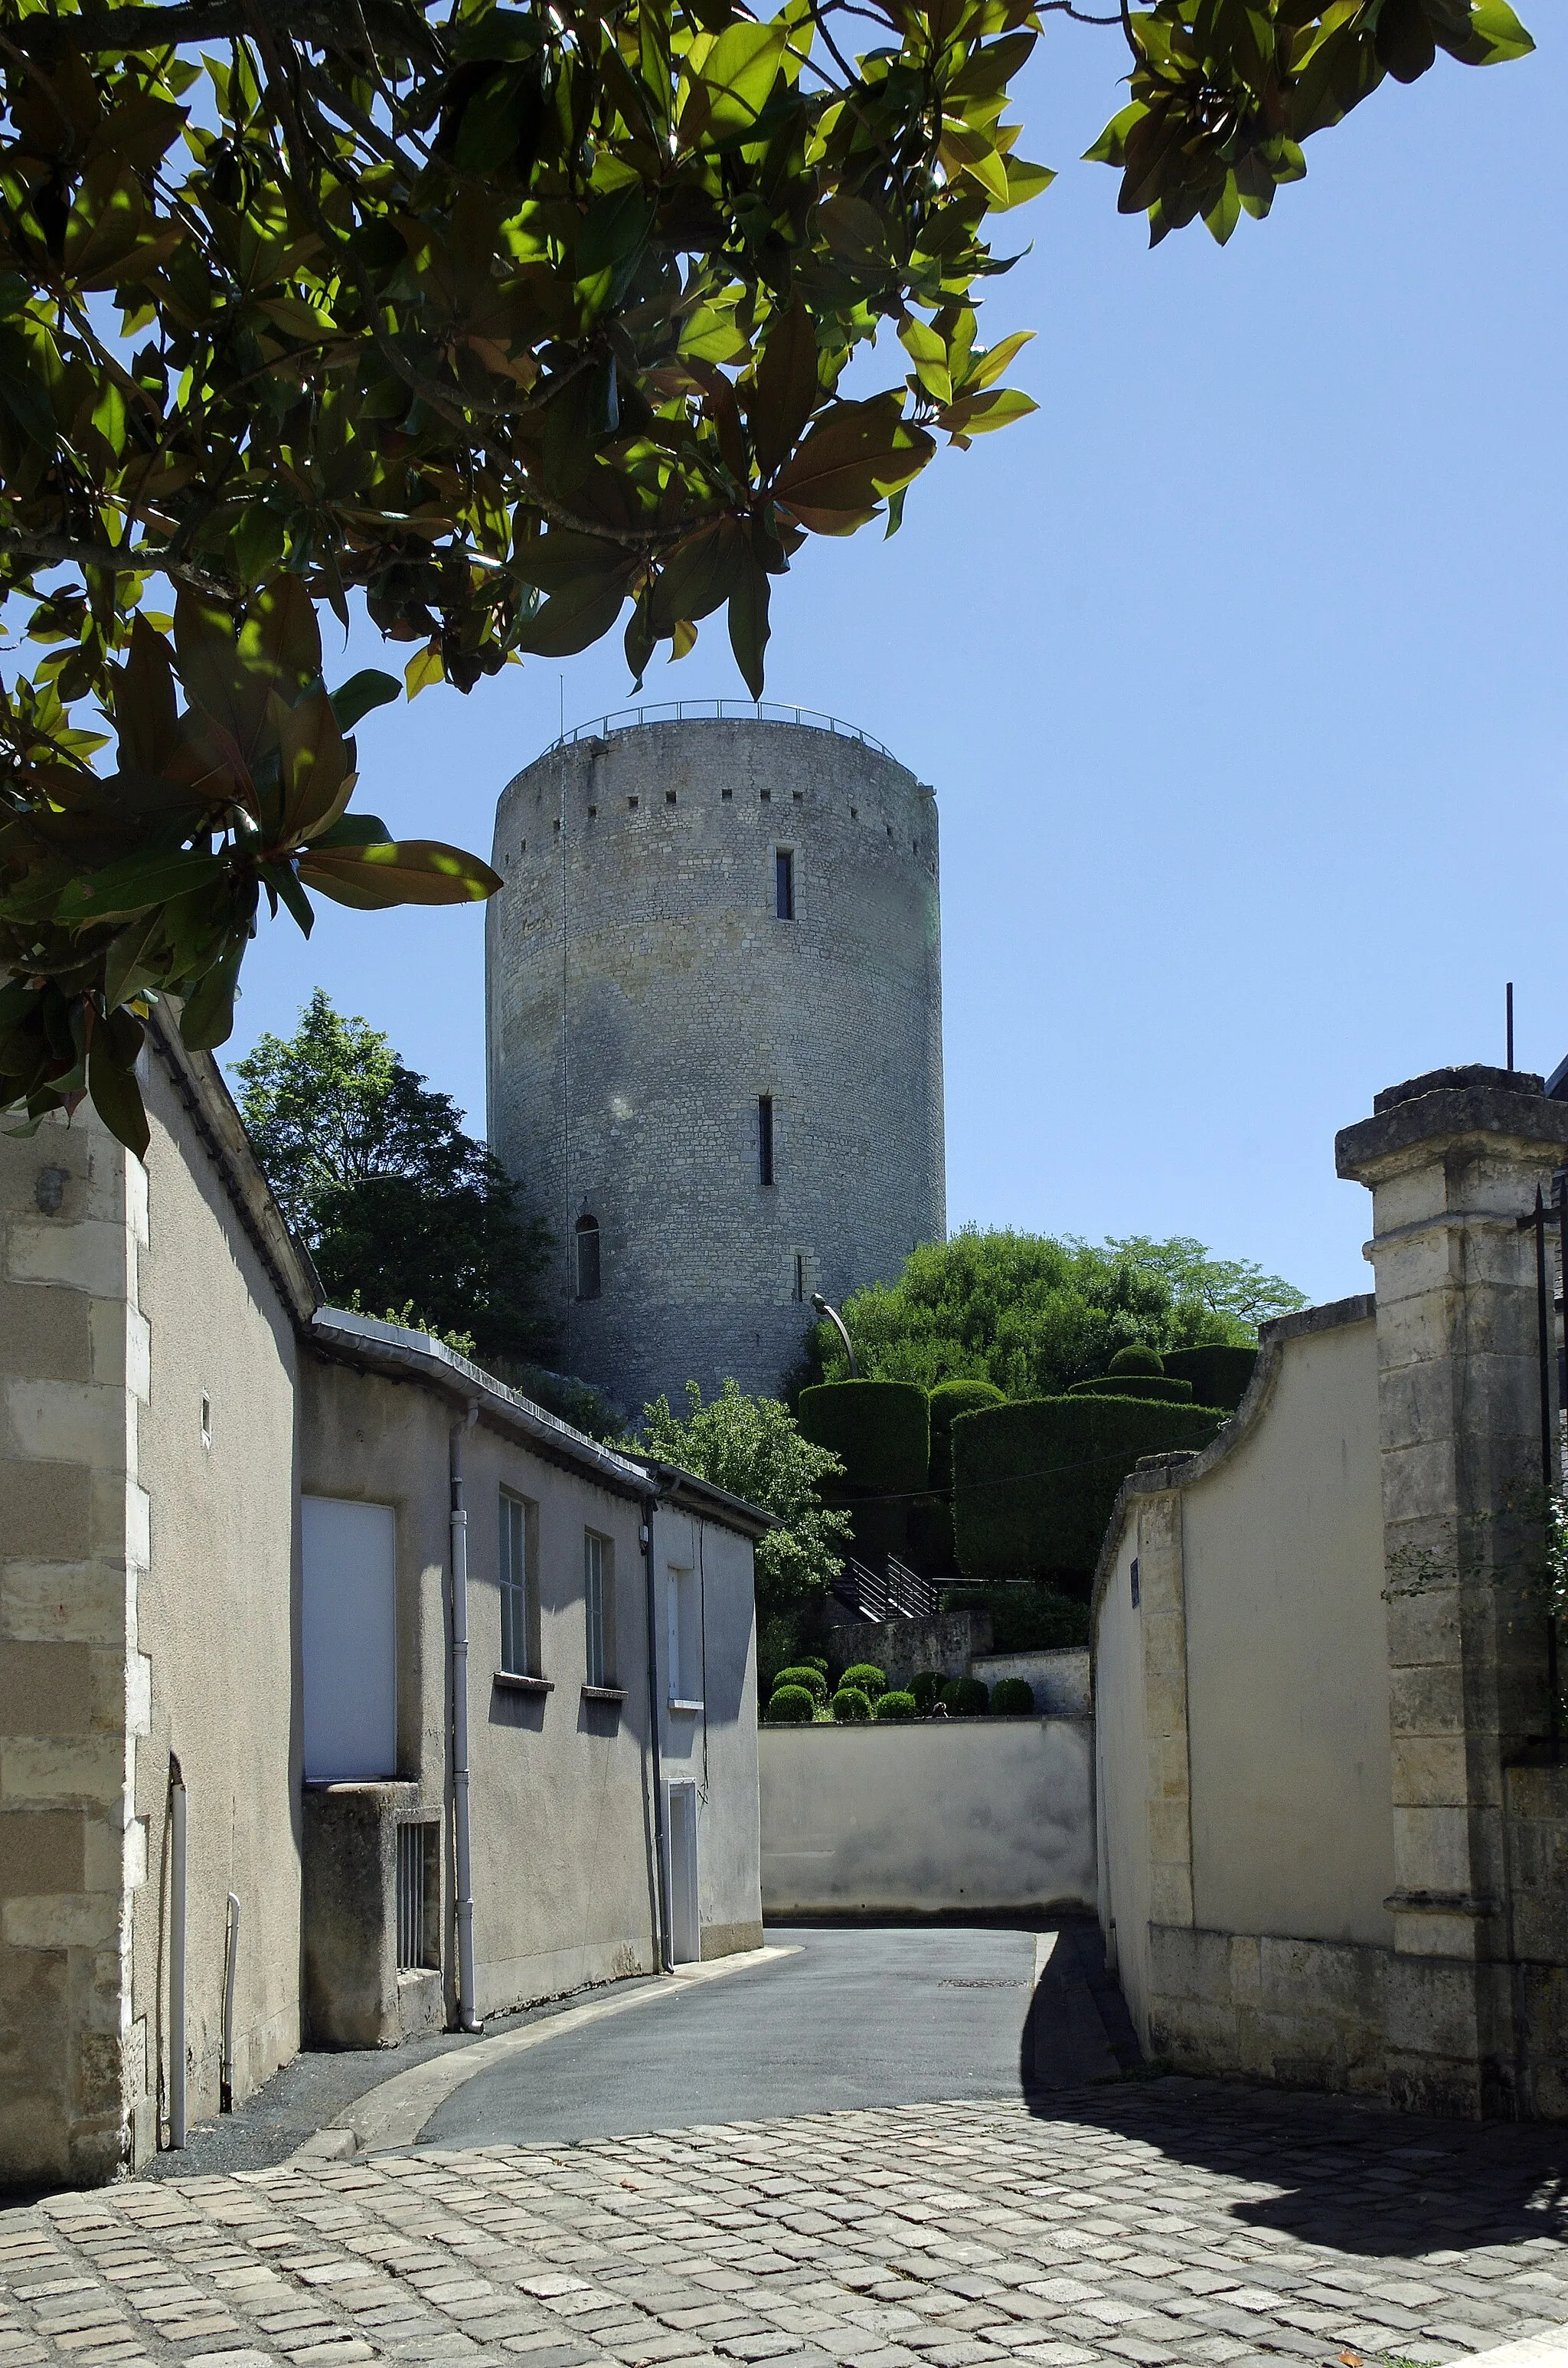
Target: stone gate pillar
(1452, 1160)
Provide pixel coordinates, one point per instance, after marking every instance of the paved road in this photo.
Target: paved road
(857, 2018)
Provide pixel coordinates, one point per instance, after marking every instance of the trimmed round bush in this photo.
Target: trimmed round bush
(814, 1682)
(865, 1678)
(1162, 1386)
(896, 1704)
(849, 1706)
(1012, 1698)
(925, 1688)
(814, 1661)
(966, 1697)
(791, 1706)
(949, 1400)
(1219, 1376)
(1137, 1359)
(879, 1430)
(1034, 1482)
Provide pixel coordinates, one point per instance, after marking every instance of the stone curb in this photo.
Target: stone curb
(1548, 2350)
(394, 2111)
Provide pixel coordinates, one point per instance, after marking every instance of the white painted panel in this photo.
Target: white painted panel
(350, 1638)
(685, 1937)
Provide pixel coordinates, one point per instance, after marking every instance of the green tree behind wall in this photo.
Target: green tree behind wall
(754, 1448)
(402, 1210)
(1034, 1314)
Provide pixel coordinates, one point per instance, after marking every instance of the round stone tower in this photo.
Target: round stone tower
(713, 984)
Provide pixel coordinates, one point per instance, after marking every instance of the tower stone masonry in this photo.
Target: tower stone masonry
(713, 989)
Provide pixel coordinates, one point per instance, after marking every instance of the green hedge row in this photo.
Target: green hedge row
(1163, 1388)
(1219, 1376)
(949, 1400)
(1034, 1482)
(1026, 1618)
(880, 1430)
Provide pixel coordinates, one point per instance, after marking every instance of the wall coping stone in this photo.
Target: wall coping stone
(1476, 1102)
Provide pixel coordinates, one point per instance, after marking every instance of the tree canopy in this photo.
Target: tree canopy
(1034, 1314)
(402, 1211)
(754, 1448)
(495, 319)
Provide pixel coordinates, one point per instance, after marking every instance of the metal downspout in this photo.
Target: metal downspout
(662, 1938)
(178, 1809)
(466, 2017)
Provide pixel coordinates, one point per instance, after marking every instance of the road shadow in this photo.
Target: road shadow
(1339, 2171)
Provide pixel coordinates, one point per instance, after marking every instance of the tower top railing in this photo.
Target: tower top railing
(716, 711)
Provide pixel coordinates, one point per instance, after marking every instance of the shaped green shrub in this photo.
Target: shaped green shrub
(1034, 1482)
(865, 1678)
(930, 1530)
(1219, 1376)
(1135, 1385)
(1026, 1618)
(966, 1697)
(814, 1682)
(949, 1400)
(849, 1706)
(791, 1706)
(814, 1661)
(926, 1688)
(1137, 1358)
(1012, 1698)
(896, 1704)
(879, 1430)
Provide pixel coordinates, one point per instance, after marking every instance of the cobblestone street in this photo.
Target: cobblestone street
(1146, 2223)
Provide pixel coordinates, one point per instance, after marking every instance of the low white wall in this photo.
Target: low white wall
(941, 1814)
(1060, 1677)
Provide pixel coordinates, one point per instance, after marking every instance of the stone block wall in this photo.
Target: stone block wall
(1309, 2014)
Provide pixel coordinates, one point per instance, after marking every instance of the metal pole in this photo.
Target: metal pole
(1510, 1010)
(834, 1317)
(1553, 1676)
(462, 1852)
(178, 1841)
(226, 2068)
(661, 1873)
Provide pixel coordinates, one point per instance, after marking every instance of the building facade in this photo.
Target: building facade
(714, 1036)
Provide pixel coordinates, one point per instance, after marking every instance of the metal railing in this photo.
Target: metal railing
(411, 1939)
(714, 710)
(899, 1593)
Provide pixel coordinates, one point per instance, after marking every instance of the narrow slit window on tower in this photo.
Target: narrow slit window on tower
(799, 1290)
(765, 1138)
(587, 1258)
(726, 794)
(784, 883)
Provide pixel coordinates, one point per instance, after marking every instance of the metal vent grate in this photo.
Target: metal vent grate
(413, 1846)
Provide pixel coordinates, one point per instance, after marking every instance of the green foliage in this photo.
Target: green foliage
(966, 1697)
(850, 1706)
(865, 1678)
(398, 1207)
(925, 1688)
(949, 1400)
(1034, 1483)
(1024, 1619)
(896, 1704)
(1032, 1315)
(1125, 1384)
(1223, 95)
(813, 1681)
(1137, 1360)
(1219, 1376)
(492, 319)
(1012, 1698)
(791, 1706)
(754, 1448)
(881, 1433)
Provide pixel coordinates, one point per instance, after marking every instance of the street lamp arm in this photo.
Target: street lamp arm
(834, 1317)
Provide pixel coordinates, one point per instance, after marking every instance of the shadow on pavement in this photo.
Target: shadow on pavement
(1340, 2171)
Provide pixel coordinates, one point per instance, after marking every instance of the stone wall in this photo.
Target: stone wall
(643, 995)
(900, 1648)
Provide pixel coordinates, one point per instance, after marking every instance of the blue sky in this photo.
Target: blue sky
(1239, 670)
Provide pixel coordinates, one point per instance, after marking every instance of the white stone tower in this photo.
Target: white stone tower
(714, 1033)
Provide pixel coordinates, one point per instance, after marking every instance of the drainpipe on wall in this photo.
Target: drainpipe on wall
(231, 1967)
(178, 1808)
(467, 2020)
(661, 1886)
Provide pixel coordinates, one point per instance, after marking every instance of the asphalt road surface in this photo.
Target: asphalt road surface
(859, 2018)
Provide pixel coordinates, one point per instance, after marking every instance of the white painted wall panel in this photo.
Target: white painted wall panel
(349, 1638)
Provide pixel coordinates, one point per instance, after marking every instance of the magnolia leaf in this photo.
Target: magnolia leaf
(423, 668)
(407, 871)
(112, 1088)
(578, 614)
(313, 765)
(146, 707)
(857, 452)
(120, 891)
(784, 389)
(736, 72)
(123, 964)
(207, 1018)
(928, 352)
(362, 693)
(749, 627)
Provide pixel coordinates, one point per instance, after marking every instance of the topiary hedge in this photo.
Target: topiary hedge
(1219, 1376)
(1034, 1482)
(811, 1679)
(895, 1704)
(879, 1430)
(949, 1400)
(849, 1705)
(1161, 1387)
(1012, 1698)
(791, 1706)
(966, 1697)
(926, 1687)
(865, 1678)
(1027, 1619)
(1137, 1358)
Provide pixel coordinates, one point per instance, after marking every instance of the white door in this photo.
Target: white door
(686, 1945)
(349, 1638)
